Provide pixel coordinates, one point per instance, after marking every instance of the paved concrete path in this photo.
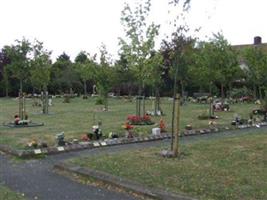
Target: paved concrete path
(36, 178)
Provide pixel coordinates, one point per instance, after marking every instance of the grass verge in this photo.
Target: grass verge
(77, 117)
(230, 168)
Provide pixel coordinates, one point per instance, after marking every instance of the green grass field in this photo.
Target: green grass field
(229, 168)
(76, 118)
(7, 194)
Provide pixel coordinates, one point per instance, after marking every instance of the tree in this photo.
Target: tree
(226, 62)
(104, 76)
(256, 68)
(63, 75)
(154, 77)
(5, 69)
(85, 66)
(178, 57)
(140, 39)
(19, 57)
(40, 67)
(216, 62)
(203, 72)
(124, 77)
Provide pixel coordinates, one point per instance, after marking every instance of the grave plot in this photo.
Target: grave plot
(21, 119)
(76, 120)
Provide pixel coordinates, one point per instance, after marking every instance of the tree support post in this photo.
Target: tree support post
(176, 136)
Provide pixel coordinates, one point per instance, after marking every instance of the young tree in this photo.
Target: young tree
(225, 61)
(178, 57)
(19, 57)
(124, 77)
(140, 39)
(104, 76)
(40, 67)
(85, 66)
(154, 77)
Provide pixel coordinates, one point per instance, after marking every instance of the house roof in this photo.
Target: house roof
(243, 46)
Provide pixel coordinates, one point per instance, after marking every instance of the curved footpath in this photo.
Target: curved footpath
(37, 180)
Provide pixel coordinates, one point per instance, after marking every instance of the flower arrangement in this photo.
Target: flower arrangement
(139, 120)
(127, 126)
(162, 126)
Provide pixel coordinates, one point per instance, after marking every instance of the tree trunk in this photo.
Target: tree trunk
(176, 138)
(230, 89)
(173, 105)
(85, 88)
(210, 84)
(222, 90)
(106, 102)
(6, 90)
(260, 92)
(254, 91)
(182, 89)
(20, 85)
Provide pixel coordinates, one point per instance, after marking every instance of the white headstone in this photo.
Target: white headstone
(156, 131)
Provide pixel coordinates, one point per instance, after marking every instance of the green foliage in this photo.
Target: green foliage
(19, 57)
(63, 74)
(215, 62)
(204, 115)
(255, 67)
(85, 66)
(140, 39)
(240, 92)
(40, 67)
(104, 74)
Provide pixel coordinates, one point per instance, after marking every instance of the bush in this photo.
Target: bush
(99, 101)
(240, 92)
(203, 116)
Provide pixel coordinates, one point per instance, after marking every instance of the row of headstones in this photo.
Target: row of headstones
(88, 145)
(215, 130)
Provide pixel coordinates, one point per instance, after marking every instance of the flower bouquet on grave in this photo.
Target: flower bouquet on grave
(128, 127)
(138, 120)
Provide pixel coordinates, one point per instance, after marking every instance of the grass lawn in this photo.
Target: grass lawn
(7, 194)
(76, 118)
(229, 168)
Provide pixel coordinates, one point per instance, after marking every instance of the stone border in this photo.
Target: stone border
(122, 183)
(80, 146)
(118, 141)
(220, 129)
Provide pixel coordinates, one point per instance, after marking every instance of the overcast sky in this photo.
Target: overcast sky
(75, 25)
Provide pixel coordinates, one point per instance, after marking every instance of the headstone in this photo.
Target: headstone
(156, 131)
(96, 144)
(103, 144)
(60, 149)
(37, 151)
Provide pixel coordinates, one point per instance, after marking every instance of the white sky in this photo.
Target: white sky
(75, 25)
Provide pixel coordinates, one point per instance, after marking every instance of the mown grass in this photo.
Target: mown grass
(231, 168)
(7, 194)
(76, 118)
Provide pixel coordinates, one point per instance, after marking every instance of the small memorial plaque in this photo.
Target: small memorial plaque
(103, 144)
(96, 144)
(60, 149)
(37, 151)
